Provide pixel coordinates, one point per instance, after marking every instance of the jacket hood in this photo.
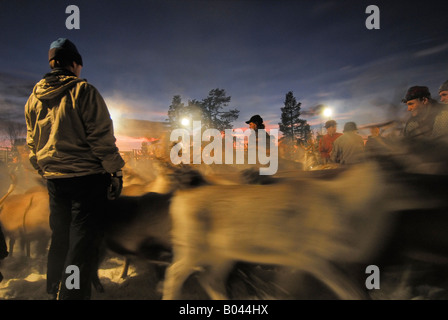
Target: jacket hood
(54, 84)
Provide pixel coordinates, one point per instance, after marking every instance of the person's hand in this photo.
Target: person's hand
(116, 185)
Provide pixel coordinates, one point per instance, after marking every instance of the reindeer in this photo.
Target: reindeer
(312, 225)
(139, 225)
(11, 188)
(25, 217)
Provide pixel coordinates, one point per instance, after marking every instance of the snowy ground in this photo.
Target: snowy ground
(24, 279)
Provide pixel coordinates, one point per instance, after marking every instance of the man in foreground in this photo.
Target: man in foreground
(72, 145)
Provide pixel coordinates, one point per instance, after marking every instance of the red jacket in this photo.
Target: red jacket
(326, 144)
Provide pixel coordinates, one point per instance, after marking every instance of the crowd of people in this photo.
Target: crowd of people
(428, 119)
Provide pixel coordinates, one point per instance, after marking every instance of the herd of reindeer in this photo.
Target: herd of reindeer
(330, 224)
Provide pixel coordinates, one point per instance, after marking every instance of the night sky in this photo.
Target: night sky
(139, 54)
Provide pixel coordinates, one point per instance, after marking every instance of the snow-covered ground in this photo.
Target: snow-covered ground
(25, 279)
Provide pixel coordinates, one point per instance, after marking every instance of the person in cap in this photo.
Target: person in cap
(326, 142)
(256, 123)
(72, 145)
(443, 92)
(348, 149)
(428, 118)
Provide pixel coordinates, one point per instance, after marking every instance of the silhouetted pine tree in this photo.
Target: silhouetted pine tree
(294, 129)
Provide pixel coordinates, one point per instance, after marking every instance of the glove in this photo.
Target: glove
(116, 185)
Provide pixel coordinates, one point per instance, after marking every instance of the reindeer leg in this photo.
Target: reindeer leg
(214, 279)
(337, 281)
(124, 273)
(28, 248)
(26, 241)
(12, 241)
(175, 276)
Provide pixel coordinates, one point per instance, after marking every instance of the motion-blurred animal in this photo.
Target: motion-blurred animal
(26, 217)
(139, 226)
(311, 225)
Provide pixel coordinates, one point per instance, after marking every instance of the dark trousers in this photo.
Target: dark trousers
(76, 212)
(3, 247)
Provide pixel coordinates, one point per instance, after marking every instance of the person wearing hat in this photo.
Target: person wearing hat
(72, 145)
(443, 92)
(348, 149)
(326, 142)
(256, 123)
(428, 118)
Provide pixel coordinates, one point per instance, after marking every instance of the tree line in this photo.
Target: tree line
(211, 111)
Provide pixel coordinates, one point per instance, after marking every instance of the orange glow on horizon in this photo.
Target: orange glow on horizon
(126, 143)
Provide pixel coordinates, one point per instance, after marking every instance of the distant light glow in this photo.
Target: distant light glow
(327, 112)
(185, 122)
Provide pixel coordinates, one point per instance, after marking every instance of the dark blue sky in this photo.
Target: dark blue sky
(139, 54)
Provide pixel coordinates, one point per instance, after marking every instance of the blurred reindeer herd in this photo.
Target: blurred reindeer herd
(215, 221)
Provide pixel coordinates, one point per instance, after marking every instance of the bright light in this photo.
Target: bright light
(327, 112)
(185, 122)
(115, 115)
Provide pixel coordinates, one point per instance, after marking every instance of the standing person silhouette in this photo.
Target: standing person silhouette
(326, 142)
(349, 148)
(72, 145)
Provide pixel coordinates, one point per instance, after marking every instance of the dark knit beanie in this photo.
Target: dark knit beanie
(65, 51)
